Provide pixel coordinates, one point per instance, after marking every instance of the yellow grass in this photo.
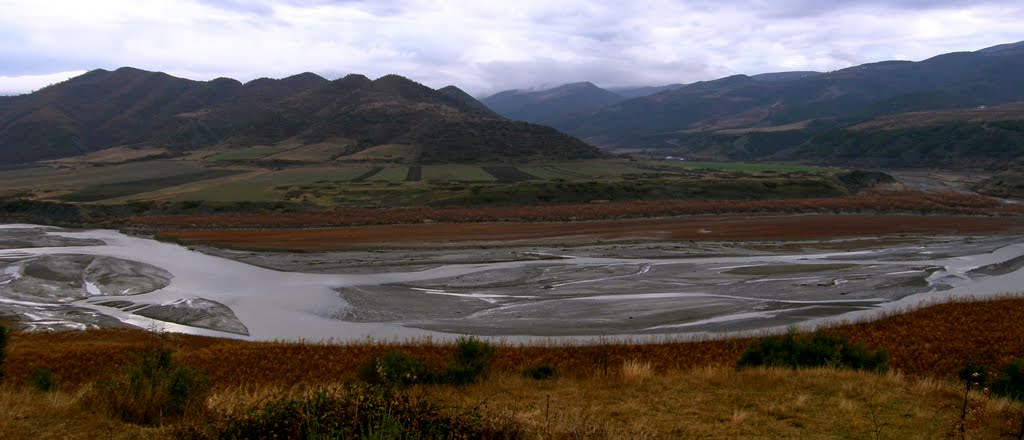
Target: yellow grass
(706, 402)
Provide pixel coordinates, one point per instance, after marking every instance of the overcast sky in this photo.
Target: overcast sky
(486, 46)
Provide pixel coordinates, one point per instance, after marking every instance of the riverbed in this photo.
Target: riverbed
(60, 279)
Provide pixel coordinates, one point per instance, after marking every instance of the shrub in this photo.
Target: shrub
(818, 349)
(470, 361)
(1011, 383)
(42, 379)
(540, 372)
(357, 411)
(396, 368)
(154, 390)
(3, 348)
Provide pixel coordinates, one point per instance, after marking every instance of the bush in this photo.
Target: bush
(42, 379)
(357, 411)
(1011, 383)
(540, 372)
(154, 390)
(396, 368)
(815, 350)
(471, 358)
(468, 365)
(3, 348)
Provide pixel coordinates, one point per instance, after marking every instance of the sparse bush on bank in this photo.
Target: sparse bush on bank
(396, 368)
(471, 359)
(818, 349)
(356, 411)
(3, 348)
(468, 365)
(42, 379)
(1011, 383)
(540, 372)
(154, 390)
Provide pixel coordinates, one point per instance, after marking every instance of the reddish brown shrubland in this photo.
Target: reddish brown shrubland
(866, 202)
(934, 341)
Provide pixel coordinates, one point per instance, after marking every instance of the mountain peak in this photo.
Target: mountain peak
(136, 107)
(1003, 48)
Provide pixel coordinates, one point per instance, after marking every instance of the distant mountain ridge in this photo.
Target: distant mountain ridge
(554, 105)
(550, 105)
(132, 107)
(803, 115)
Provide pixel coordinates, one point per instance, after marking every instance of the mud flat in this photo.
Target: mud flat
(626, 289)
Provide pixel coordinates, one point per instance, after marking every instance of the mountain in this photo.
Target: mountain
(790, 111)
(636, 92)
(551, 105)
(132, 107)
(784, 76)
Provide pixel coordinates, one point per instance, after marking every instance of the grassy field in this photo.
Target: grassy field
(357, 184)
(251, 153)
(746, 167)
(636, 390)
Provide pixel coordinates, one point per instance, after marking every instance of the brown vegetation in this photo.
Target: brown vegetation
(934, 341)
(606, 390)
(868, 202)
(719, 227)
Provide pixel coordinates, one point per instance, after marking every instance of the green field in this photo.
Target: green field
(745, 167)
(390, 174)
(367, 184)
(456, 173)
(251, 153)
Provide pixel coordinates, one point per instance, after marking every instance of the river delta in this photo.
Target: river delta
(53, 278)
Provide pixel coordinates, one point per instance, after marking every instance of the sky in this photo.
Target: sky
(486, 46)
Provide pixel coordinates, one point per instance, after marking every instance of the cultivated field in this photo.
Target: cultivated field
(265, 174)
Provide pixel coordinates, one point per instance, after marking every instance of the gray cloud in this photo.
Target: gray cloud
(485, 47)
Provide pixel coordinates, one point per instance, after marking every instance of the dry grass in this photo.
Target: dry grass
(703, 402)
(724, 403)
(934, 341)
(29, 414)
(664, 390)
(637, 371)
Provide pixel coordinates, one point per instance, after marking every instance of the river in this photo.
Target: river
(53, 279)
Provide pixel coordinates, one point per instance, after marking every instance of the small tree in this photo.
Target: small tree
(472, 356)
(819, 349)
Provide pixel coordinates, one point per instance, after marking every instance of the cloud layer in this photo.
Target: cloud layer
(485, 47)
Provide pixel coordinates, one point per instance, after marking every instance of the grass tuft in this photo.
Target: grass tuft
(636, 370)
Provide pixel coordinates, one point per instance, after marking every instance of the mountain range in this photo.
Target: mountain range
(808, 116)
(954, 110)
(554, 105)
(135, 108)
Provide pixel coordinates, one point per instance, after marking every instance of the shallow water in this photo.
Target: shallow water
(679, 289)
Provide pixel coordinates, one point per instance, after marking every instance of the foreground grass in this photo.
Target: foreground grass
(703, 402)
(610, 390)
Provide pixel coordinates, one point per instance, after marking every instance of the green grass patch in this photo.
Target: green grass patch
(43, 178)
(390, 174)
(244, 154)
(582, 170)
(127, 188)
(643, 189)
(456, 173)
(745, 167)
(508, 174)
